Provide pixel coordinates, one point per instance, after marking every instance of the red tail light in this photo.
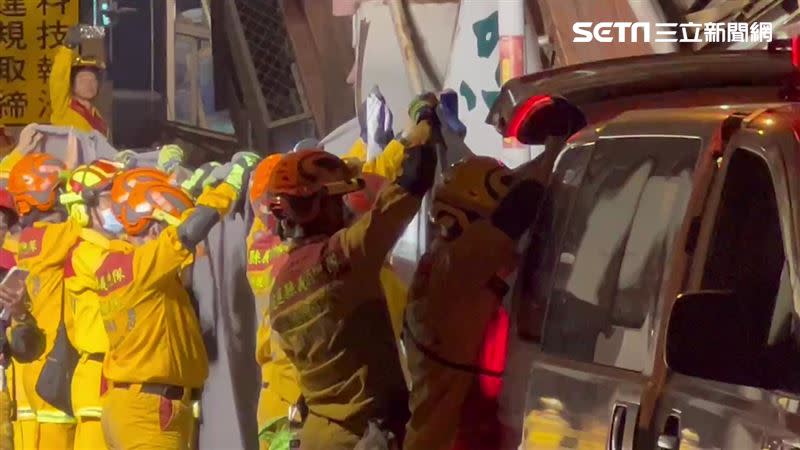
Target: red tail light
(796, 52)
(524, 111)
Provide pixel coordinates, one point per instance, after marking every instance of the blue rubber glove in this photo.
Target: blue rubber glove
(379, 120)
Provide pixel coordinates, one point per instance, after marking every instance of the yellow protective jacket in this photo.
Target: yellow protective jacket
(153, 331)
(65, 111)
(43, 250)
(449, 307)
(263, 251)
(328, 310)
(277, 372)
(388, 164)
(88, 334)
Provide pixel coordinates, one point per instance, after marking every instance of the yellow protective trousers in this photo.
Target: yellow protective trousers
(86, 404)
(89, 434)
(135, 420)
(26, 429)
(319, 433)
(272, 414)
(56, 436)
(56, 430)
(6, 428)
(26, 434)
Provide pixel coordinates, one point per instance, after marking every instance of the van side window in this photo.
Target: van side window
(746, 255)
(546, 237)
(746, 249)
(610, 264)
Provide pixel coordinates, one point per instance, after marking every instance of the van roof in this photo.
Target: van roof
(657, 76)
(700, 122)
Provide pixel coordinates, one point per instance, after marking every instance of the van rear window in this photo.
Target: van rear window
(604, 240)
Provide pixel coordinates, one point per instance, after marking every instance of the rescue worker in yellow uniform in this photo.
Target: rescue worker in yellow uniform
(24, 342)
(44, 245)
(479, 213)
(74, 84)
(24, 419)
(88, 200)
(326, 306)
(156, 363)
(280, 384)
(280, 388)
(21, 344)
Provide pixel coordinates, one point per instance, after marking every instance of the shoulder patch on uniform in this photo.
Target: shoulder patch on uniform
(30, 242)
(115, 272)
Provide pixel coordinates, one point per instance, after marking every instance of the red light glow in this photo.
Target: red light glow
(525, 110)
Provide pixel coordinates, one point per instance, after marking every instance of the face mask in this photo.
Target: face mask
(110, 222)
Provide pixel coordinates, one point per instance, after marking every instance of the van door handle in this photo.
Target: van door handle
(669, 439)
(667, 442)
(616, 435)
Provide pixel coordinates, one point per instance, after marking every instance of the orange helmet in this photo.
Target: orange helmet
(34, 182)
(471, 190)
(147, 202)
(259, 179)
(128, 179)
(301, 177)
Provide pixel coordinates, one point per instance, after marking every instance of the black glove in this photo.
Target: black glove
(419, 170)
(73, 37)
(518, 209)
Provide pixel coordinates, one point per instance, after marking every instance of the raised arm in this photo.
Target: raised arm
(166, 255)
(374, 234)
(60, 73)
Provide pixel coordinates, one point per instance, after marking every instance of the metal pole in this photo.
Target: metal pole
(511, 27)
(407, 49)
(152, 48)
(170, 45)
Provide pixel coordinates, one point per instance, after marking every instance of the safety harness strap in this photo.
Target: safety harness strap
(430, 354)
